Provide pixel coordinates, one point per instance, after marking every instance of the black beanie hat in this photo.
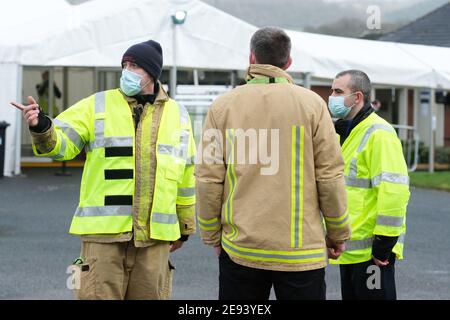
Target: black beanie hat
(148, 55)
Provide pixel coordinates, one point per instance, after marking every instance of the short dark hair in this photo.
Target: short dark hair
(359, 81)
(271, 45)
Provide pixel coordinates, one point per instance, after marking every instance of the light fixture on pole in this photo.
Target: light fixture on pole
(177, 19)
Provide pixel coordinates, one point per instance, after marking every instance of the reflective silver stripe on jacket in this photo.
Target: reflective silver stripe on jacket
(99, 129)
(390, 177)
(337, 222)
(182, 151)
(358, 182)
(100, 104)
(186, 192)
(353, 168)
(62, 150)
(99, 125)
(371, 130)
(71, 133)
(297, 185)
(359, 244)
(184, 143)
(353, 165)
(169, 150)
(273, 256)
(111, 142)
(389, 221)
(352, 179)
(166, 218)
(383, 177)
(106, 211)
(184, 115)
(209, 225)
(367, 243)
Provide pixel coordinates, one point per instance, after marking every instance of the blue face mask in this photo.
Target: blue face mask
(337, 107)
(130, 83)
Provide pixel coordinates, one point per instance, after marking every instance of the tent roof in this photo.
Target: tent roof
(18, 12)
(96, 33)
(385, 62)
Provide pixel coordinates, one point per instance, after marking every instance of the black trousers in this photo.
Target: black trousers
(366, 281)
(238, 282)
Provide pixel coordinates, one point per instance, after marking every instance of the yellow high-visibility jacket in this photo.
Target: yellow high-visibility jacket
(119, 192)
(377, 186)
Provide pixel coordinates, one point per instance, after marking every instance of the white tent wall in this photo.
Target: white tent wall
(10, 90)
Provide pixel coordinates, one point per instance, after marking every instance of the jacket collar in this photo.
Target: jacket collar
(345, 127)
(266, 70)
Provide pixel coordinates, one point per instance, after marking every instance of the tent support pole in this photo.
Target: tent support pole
(19, 121)
(307, 80)
(432, 132)
(173, 70)
(196, 77)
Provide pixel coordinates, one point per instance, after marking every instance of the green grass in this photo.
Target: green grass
(437, 180)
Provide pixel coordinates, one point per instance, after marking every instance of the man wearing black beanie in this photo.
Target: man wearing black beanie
(148, 55)
(137, 197)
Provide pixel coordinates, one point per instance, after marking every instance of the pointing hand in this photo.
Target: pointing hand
(29, 112)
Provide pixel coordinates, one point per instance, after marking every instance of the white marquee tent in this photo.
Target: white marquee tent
(96, 33)
(387, 63)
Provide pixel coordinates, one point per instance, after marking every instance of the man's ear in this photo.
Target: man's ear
(288, 64)
(252, 58)
(360, 96)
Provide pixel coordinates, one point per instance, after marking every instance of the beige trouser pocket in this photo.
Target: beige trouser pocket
(166, 291)
(88, 281)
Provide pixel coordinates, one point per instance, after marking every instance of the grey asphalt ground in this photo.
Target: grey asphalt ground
(35, 248)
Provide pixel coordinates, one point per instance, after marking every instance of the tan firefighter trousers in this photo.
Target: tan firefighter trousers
(118, 271)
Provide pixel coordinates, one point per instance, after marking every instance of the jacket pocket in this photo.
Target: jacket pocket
(88, 281)
(174, 172)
